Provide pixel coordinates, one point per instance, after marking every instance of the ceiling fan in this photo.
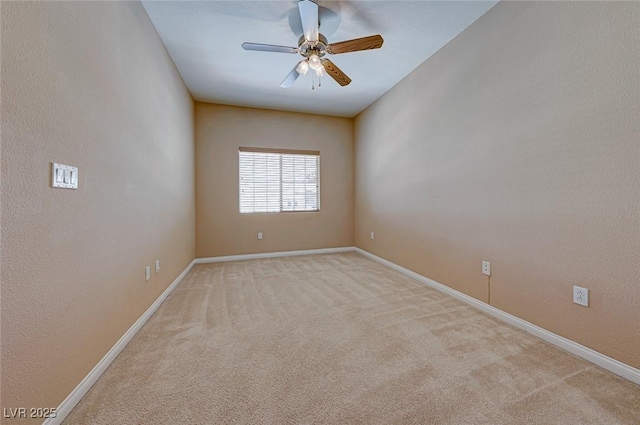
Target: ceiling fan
(313, 46)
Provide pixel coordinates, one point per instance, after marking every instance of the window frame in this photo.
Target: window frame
(280, 153)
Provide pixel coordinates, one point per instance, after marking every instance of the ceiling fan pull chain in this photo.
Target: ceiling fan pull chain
(313, 82)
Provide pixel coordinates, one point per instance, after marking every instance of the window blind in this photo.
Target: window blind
(279, 181)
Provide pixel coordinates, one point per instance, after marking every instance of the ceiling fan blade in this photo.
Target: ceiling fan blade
(335, 72)
(291, 78)
(269, 48)
(309, 17)
(364, 43)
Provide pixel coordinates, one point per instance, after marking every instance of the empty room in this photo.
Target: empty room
(320, 212)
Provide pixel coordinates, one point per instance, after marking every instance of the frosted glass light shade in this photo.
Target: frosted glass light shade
(314, 62)
(303, 67)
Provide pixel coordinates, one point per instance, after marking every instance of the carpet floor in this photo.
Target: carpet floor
(340, 339)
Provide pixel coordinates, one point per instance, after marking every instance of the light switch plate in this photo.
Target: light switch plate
(64, 176)
(147, 273)
(157, 266)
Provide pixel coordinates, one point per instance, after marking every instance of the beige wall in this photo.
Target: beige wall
(91, 85)
(221, 229)
(518, 143)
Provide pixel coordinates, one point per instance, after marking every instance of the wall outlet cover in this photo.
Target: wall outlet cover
(486, 268)
(581, 296)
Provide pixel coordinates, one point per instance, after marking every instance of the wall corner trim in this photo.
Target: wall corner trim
(612, 365)
(273, 255)
(85, 385)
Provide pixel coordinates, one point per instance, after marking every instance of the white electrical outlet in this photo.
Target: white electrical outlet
(147, 273)
(581, 296)
(259, 235)
(372, 236)
(157, 266)
(486, 268)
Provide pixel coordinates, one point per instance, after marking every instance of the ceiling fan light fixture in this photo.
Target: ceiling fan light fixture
(314, 62)
(303, 67)
(320, 72)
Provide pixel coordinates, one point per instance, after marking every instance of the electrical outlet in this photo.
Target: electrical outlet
(486, 268)
(581, 296)
(157, 266)
(259, 235)
(372, 236)
(147, 273)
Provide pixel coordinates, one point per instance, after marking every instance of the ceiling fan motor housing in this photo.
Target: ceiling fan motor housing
(306, 48)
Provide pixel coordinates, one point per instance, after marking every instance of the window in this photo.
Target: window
(279, 180)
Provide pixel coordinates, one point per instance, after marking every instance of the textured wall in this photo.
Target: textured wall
(518, 143)
(91, 85)
(221, 229)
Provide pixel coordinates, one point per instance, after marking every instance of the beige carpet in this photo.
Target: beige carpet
(339, 339)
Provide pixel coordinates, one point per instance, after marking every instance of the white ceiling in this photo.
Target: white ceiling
(204, 39)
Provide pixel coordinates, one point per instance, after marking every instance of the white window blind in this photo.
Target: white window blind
(273, 180)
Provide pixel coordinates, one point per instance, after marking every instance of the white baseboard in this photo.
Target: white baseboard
(76, 395)
(621, 369)
(273, 255)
